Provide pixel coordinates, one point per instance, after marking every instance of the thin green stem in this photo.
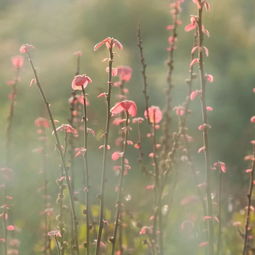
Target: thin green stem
(58, 247)
(120, 187)
(205, 131)
(143, 71)
(249, 198)
(86, 169)
(220, 213)
(58, 145)
(106, 138)
(158, 199)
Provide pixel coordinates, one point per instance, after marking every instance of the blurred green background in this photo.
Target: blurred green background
(57, 28)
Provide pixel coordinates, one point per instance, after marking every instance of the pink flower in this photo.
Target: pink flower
(109, 42)
(221, 165)
(10, 228)
(252, 119)
(145, 230)
(18, 61)
(103, 94)
(179, 110)
(114, 71)
(116, 155)
(138, 120)
(194, 49)
(150, 187)
(194, 94)
(124, 73)
(197, 3)
(170, 27)
(201, 149)
(192, 25)
(155, 114)
(209, 108)
(203, 126)
(118, 121)
(203, 244)
(42, 122)
(54, 233)
(79, 151)
(127, 106)
(25, 48)
(209, 77)
(171, 39)
(193, 62)
(80, 81)
(68, 129)
(108, 147)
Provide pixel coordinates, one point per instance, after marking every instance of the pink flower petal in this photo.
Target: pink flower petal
(194, 61)
(155, 114)
(252, 119)
(209, 78)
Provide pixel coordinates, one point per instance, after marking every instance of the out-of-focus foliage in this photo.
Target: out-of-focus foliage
(57, 28)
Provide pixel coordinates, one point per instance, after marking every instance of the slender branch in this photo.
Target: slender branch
(141, 154)
(71, 121)
(86, 169)
(183, 127)
(122, 86)
(205, 130)
(8, 136)
(10, 117)
(5, 222)
(58, 145)
(106, 138)
(170, 64)
(120, 187)
(143, 71)
(45, 193)
(249, 197)
(220, 213)
(158, 197)
(58, 247)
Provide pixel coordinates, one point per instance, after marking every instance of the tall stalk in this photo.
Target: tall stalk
(10, 117)
(143, 71)
(58, 145)
(219, 213)
(86, 169)
(106, 138)
(158, 199)
(176, 9)
(205, 130)
(249, 209)
(8, 141)
(47, 247)
(120, 187)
